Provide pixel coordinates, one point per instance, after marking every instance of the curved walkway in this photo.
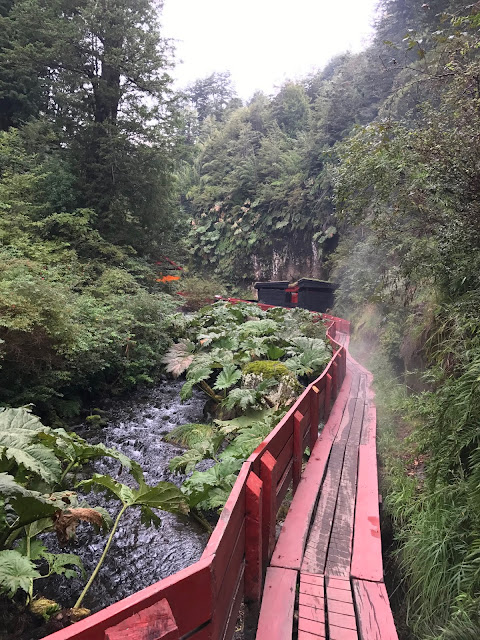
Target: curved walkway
(329, 546)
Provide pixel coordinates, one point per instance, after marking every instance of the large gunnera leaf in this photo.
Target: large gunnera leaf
(18, 432)
(179, 357)
(16, 572)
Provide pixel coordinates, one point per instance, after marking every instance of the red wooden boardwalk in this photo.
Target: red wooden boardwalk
(325, 578)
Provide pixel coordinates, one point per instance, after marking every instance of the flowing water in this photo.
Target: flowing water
(139, 555)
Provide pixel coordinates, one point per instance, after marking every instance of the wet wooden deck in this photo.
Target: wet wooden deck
(325, 578)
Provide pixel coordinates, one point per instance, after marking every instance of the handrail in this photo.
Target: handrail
(204, 599)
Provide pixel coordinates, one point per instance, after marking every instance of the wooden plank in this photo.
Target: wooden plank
(276, 614)
(369, 429)
(156, 622)
(341, 620)
(311, 613)
(311, 578)
(375, 620)
(284, 458)
(312, 589)
(334, 371)
(319, 538)
(234, 609)
(328, 395)
(233, 514)
(312, 626)
(367, 562)
(225, 584)
(339, 633)
(298, 429)
(307, 600)
(336, 583)
(304, 635)
(268, 476)
(340, 545)
(314, 415)
(283, 487)
(253, 538)
(192, 585)
(339, 594)
(288, 552)
(341, 607)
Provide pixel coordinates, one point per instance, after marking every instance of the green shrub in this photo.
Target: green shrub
(198, 292)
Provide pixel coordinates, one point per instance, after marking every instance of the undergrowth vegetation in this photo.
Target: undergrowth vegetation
(251, 365)
(38, 469)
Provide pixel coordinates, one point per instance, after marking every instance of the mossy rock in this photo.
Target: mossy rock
(267, 369)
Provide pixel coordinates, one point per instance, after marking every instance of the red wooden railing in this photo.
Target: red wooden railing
(203, 601)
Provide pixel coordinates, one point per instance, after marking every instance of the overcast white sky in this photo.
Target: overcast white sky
(262, 42)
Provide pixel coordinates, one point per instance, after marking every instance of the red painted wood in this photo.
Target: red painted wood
(340, 545)
(154, 623)
(234, 609)
(367, 544)
(304, 635)
(339, 633)
(375, 620)
(328, 395)
(341, 620)
(312, 626)
(225, 585)
(284, 458)
(253, 538)
(311, 589)
(341, 607)
(288, 552)
(268, 475)
(311, 613)
(310, 578)
(192, 585)
(283, 487)
(307, 600)
(233, 513)
(298, 429)
(314, 415)
(337, 583)
(276, 614)
(369, 430)
(339, 594)
(291, 543)
(317, 548)
(274, 442)
(334, 378)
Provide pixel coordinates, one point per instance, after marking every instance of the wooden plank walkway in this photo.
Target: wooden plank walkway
(325, 578)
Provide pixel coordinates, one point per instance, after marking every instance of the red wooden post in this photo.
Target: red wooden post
(297, 448)
(314, 415)
(253, 538)
(155, 622)
(269, 512)
(328, 396)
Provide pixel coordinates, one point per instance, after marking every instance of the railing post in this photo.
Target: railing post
(297, 448)
(269, 505)
(328, 396)
(314, 415)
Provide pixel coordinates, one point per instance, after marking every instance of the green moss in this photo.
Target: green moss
(267, 369)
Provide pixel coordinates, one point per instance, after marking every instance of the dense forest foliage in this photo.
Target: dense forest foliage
(365, 172)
